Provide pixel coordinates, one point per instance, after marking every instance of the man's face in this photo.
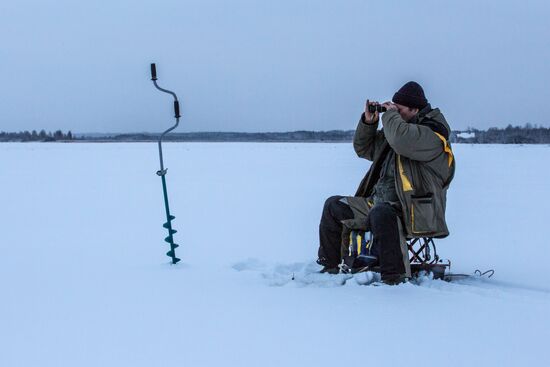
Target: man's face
(406, 113)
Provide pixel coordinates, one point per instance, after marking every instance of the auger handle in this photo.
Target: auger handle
(177, 109)
(153, 71)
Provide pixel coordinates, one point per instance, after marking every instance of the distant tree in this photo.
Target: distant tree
(26, 136)
(49, 137)
(69, 135)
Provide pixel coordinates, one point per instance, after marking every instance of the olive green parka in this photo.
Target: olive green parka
(424, 168)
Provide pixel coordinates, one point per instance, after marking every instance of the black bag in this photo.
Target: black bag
(358, 254)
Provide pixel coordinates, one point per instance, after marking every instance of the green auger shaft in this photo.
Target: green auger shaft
(168, 224)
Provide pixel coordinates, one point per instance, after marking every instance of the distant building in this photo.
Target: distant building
(465, 135)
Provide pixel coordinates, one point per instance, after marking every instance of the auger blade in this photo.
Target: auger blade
(171, 253)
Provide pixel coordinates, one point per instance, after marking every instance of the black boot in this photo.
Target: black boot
(328, 270)
(395, 279)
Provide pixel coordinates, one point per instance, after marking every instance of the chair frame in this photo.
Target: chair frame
(423, 256)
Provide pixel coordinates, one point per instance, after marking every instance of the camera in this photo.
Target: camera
(376, 108)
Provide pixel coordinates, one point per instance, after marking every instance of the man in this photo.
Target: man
(404, 192)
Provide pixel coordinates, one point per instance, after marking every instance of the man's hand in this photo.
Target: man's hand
(371, 118)
(389, 106)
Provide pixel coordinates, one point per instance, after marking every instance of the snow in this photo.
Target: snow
(85, 280)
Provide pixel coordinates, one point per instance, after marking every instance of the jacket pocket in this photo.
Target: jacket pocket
(423, 214)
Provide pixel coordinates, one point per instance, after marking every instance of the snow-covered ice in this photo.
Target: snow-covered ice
(85, 280)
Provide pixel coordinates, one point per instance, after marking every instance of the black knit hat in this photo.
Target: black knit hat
(411, 95)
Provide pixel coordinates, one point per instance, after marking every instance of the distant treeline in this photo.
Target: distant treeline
(296, 136)
(23, 136)
(527, 134)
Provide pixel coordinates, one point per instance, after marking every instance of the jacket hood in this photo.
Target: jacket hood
(434, 119)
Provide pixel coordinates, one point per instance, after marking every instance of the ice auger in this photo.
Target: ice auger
(162, 171)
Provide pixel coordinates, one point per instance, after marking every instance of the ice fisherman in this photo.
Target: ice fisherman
(403, 195)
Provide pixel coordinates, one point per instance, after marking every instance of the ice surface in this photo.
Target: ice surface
(85, 280)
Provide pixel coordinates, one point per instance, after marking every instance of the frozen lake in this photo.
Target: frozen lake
(85, 280)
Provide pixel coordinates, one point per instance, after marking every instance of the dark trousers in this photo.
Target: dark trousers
(381, 222)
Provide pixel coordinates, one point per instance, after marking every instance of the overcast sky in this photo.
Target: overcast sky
(268, 65)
